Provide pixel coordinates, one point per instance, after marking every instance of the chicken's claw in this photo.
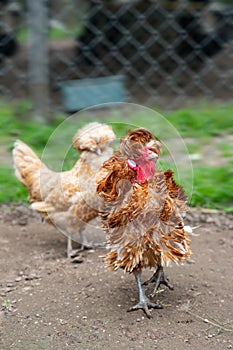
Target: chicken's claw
(74, 253)
(158, 278)
(145, 305)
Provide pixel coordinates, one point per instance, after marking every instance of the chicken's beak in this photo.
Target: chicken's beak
(153, 155)
(98, 151)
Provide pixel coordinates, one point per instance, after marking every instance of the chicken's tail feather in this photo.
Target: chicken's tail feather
(43, 207)
(27, 168)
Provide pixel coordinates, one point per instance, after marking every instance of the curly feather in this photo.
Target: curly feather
(143, 221)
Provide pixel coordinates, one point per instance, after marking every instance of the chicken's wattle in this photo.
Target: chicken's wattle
(145, 168)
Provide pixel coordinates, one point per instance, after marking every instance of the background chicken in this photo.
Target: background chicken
(68, 199)
(143, 212)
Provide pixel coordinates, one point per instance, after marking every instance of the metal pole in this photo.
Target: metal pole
(38, 58)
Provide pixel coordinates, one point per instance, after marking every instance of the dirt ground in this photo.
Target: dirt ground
(48, 302)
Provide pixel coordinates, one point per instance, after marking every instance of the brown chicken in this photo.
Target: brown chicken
(142, 213)
(68, 199)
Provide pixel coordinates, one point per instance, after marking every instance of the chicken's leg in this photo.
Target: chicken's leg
(72, 253)
(158, 278)
(144, 303)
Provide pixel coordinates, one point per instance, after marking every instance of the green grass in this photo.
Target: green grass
(226, 150)
(15, 122)
(10, 191)
(53, 33)
(206, 121)
(5, 303)
(212, 185)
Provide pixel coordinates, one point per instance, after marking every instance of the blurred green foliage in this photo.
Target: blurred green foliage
(212, 186)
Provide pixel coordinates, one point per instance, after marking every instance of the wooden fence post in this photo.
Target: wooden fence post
(38, 58)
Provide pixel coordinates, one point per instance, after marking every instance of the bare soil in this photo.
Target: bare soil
(49, 302)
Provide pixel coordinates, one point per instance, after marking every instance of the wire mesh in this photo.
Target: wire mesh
(168, 51)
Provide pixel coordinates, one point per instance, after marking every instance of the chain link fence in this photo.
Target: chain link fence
(168, 52)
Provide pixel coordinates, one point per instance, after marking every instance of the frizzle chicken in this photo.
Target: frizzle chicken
(142, 213)
(68, 199)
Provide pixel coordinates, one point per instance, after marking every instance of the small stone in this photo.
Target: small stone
(10, 284)
(8, 290)
(190, 261)
(27, 288)
(31, 277)
(63, 322)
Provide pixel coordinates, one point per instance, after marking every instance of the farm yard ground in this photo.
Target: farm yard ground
(48, 302)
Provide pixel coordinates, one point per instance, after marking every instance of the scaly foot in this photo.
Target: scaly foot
(145, 305)
(72, 253)
(158, 278)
